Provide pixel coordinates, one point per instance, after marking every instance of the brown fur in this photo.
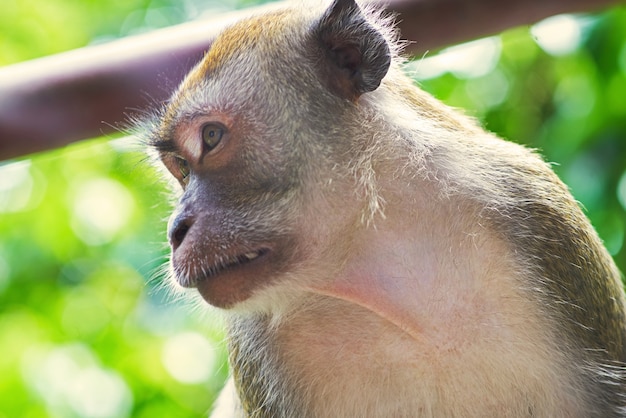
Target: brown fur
(377, 253)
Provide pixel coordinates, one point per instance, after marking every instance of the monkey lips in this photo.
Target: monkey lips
(225, 280)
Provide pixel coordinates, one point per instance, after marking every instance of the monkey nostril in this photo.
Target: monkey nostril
(178, 231)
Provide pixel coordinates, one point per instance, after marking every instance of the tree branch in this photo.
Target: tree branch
(52, 101)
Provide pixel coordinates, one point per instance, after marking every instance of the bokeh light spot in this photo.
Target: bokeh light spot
(488, 91)
(16, 186)
(72, 383)
(102, 207)
(189, 357)
(558, 35)
(465, 61)
(97, 393)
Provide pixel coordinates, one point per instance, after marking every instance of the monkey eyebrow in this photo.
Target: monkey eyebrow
(165, 146)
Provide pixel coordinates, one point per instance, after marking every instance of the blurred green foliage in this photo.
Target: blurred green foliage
(86, 327)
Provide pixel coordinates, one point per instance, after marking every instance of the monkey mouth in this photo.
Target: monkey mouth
(237, 261)
(224, 265)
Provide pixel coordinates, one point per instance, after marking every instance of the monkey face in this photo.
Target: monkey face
(249, 138)
(232, 232)
(249, 212)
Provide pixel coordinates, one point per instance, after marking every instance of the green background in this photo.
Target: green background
(87, 327)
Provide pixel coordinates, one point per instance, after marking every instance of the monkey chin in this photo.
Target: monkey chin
(228, 283)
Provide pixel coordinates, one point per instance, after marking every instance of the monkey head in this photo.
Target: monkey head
(250, 139)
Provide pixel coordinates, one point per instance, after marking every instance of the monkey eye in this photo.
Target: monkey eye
(212, 135)
(183, 167)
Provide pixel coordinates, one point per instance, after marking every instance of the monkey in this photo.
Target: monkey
(375, 252)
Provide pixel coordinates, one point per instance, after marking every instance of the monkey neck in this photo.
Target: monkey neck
(421, 263)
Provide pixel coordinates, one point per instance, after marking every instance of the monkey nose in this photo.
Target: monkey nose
(177, 230)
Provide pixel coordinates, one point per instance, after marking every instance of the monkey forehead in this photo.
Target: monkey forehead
(229, 73)
(261, 33)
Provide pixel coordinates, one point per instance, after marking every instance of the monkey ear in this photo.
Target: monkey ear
(357, 56)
